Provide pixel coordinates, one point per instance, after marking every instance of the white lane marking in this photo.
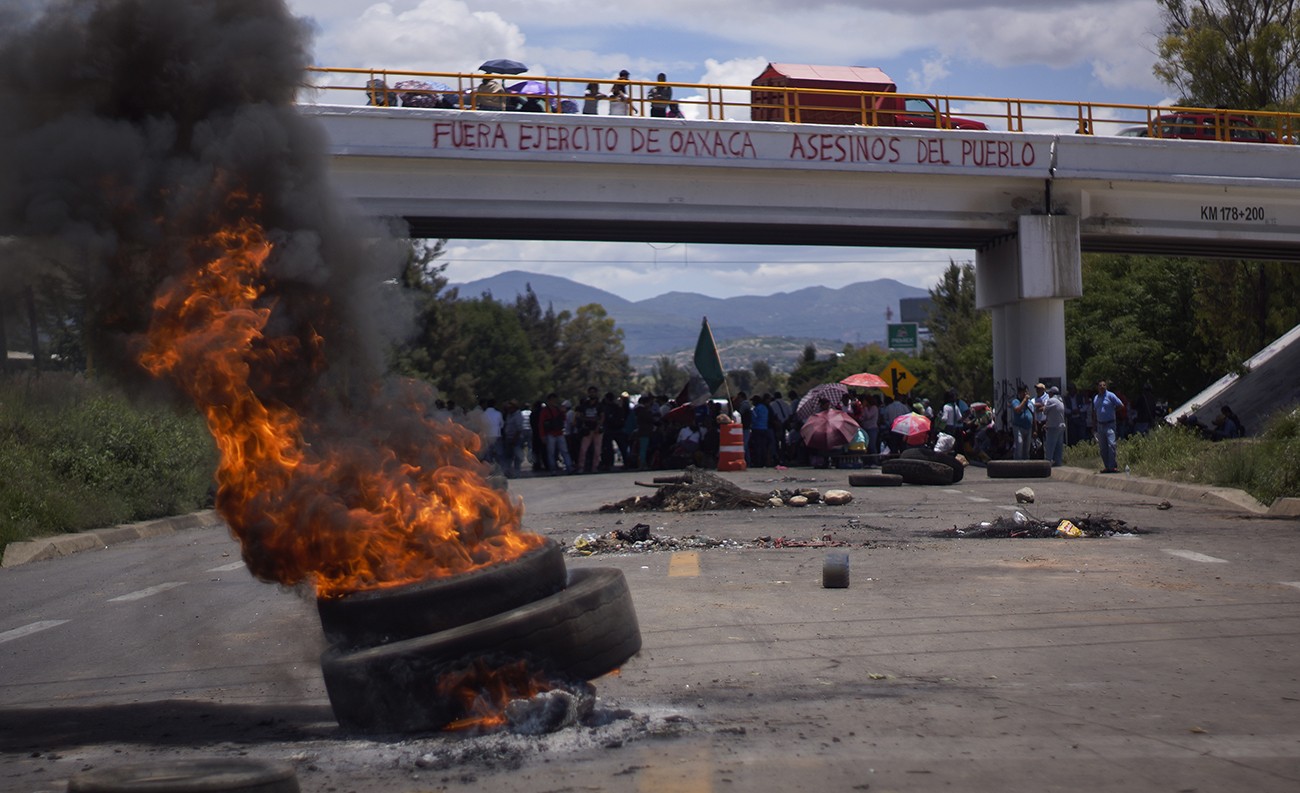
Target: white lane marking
(1194, 556)
(144, 593)
(980, 499)
(226, 568)
(27, 630)
(952, 490)
(1295, 584)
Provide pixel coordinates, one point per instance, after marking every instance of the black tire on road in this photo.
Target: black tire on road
(950, 460)
(217, 775)
(919, 472)
(875, 480)
(364, 619)
(579, 633)
(1019, 469)
(835, 571)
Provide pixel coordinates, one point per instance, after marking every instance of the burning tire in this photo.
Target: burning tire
(364, 619)
(582, 632)
(958, 470)
(875, 480)
(918, 472)
(1019, 469)
(219, 775)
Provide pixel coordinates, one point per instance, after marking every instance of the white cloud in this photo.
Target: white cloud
(435, 35)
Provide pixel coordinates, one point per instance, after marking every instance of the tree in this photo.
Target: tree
(960, 350)
(1241, 307)
(591, 353)
(492, 358)
(542, 328)
(1132, 326)
(666, 377)
(424, 354)
(1241, 54)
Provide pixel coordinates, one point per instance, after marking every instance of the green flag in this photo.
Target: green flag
(707, 361)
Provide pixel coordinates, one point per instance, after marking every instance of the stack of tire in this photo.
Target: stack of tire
(390, 648)
(914, 467)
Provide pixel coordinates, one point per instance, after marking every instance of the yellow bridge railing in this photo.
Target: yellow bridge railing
(461, 90)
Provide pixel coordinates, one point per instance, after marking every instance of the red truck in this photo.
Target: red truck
(836, 108)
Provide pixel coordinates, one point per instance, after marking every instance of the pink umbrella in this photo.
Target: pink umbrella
(914, 428)
(865, 380)
(828, 430)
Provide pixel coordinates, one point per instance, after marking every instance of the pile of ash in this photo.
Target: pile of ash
(639, 539)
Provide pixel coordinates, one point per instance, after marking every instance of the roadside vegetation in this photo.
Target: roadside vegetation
(1267, 465)
(76, 455)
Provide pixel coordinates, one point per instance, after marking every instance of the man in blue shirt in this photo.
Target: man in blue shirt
(1105, 406)
(1022, 423)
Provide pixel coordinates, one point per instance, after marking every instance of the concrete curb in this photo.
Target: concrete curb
(17, 553)
(1159, 488)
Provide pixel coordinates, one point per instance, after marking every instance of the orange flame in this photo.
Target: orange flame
(361, 510)
(482, 692)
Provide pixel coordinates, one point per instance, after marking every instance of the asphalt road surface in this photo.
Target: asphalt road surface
(1166, 661)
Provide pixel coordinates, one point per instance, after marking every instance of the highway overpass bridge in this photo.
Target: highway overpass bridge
(1027, 204)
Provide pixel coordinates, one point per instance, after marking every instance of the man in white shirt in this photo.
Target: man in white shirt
(493, 421)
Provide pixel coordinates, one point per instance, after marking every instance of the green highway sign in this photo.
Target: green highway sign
(902, 335)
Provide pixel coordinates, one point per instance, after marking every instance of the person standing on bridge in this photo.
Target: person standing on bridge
(661, 98)
(591, 100)
(490, 94)
(1105, 413)
(620, 96)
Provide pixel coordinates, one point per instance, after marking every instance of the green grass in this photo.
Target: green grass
(1267, 466)
(75, 455)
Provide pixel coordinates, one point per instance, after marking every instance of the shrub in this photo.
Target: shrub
(75, 455)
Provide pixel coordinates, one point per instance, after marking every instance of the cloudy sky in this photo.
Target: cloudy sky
(1074, 50)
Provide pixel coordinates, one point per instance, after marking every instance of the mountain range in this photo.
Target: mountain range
(670, 323)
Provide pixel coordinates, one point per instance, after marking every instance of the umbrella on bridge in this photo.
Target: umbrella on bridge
(417, 93)
(530, 88)
(503, 66)
(865, 380)
(808, 405)
(914, 428)
(828, 430)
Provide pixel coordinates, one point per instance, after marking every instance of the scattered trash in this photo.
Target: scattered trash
(1025, 495)
(691, 491)
(1067, 529)
(1021, 525)
(1164, 505)
(620, 541)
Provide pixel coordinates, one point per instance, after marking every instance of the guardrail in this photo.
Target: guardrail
(460, 90)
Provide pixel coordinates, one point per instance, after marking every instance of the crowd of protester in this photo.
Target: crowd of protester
(595, 432)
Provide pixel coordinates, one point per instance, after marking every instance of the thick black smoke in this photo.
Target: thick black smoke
(126, 126)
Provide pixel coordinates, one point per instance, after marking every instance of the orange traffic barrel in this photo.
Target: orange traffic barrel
(731, 447)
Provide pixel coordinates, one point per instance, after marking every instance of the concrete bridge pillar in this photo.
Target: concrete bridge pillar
(1024, 280)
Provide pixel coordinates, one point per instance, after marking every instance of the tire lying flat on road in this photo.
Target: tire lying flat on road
(582, 632)
(364, 619)
(875, 480)
(918, 472)
(217, 775)
(1019, 469)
